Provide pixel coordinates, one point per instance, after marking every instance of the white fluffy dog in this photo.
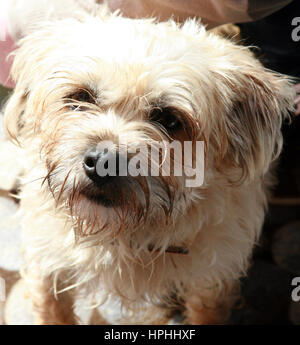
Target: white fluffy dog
(147, 240)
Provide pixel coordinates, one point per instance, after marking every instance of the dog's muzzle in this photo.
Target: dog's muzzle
(107, 170)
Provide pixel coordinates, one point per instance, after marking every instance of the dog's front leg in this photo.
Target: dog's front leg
(210, 306)
(48, 309)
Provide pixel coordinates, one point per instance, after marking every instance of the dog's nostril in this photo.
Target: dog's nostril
(104, 166)
(90, 162)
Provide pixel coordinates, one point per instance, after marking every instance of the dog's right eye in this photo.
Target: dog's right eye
(168, 118)
(81, 96)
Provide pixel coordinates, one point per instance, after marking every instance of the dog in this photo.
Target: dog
(153, 242)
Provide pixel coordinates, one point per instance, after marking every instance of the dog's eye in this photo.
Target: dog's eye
(166, 117)
(81, 96)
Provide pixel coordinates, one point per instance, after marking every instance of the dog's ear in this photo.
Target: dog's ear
(13, 113)
(23, 71)
(261, 99)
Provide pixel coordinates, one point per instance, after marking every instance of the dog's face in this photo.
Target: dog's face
(132, 84)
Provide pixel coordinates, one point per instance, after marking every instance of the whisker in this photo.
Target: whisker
(63, 186)
(37, 179)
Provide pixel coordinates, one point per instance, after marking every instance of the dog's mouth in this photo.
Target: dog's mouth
(100, 199)
(107, 195)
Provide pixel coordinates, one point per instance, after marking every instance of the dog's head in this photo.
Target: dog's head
(100, 91)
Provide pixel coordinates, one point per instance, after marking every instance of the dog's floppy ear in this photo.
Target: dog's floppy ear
(261, 99)
(24, 69)
(15, 107)
(13, 113)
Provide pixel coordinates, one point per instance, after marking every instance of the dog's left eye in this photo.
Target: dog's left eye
(166, 117)
(81, 96)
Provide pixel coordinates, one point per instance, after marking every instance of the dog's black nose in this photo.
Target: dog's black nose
(104, 166)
